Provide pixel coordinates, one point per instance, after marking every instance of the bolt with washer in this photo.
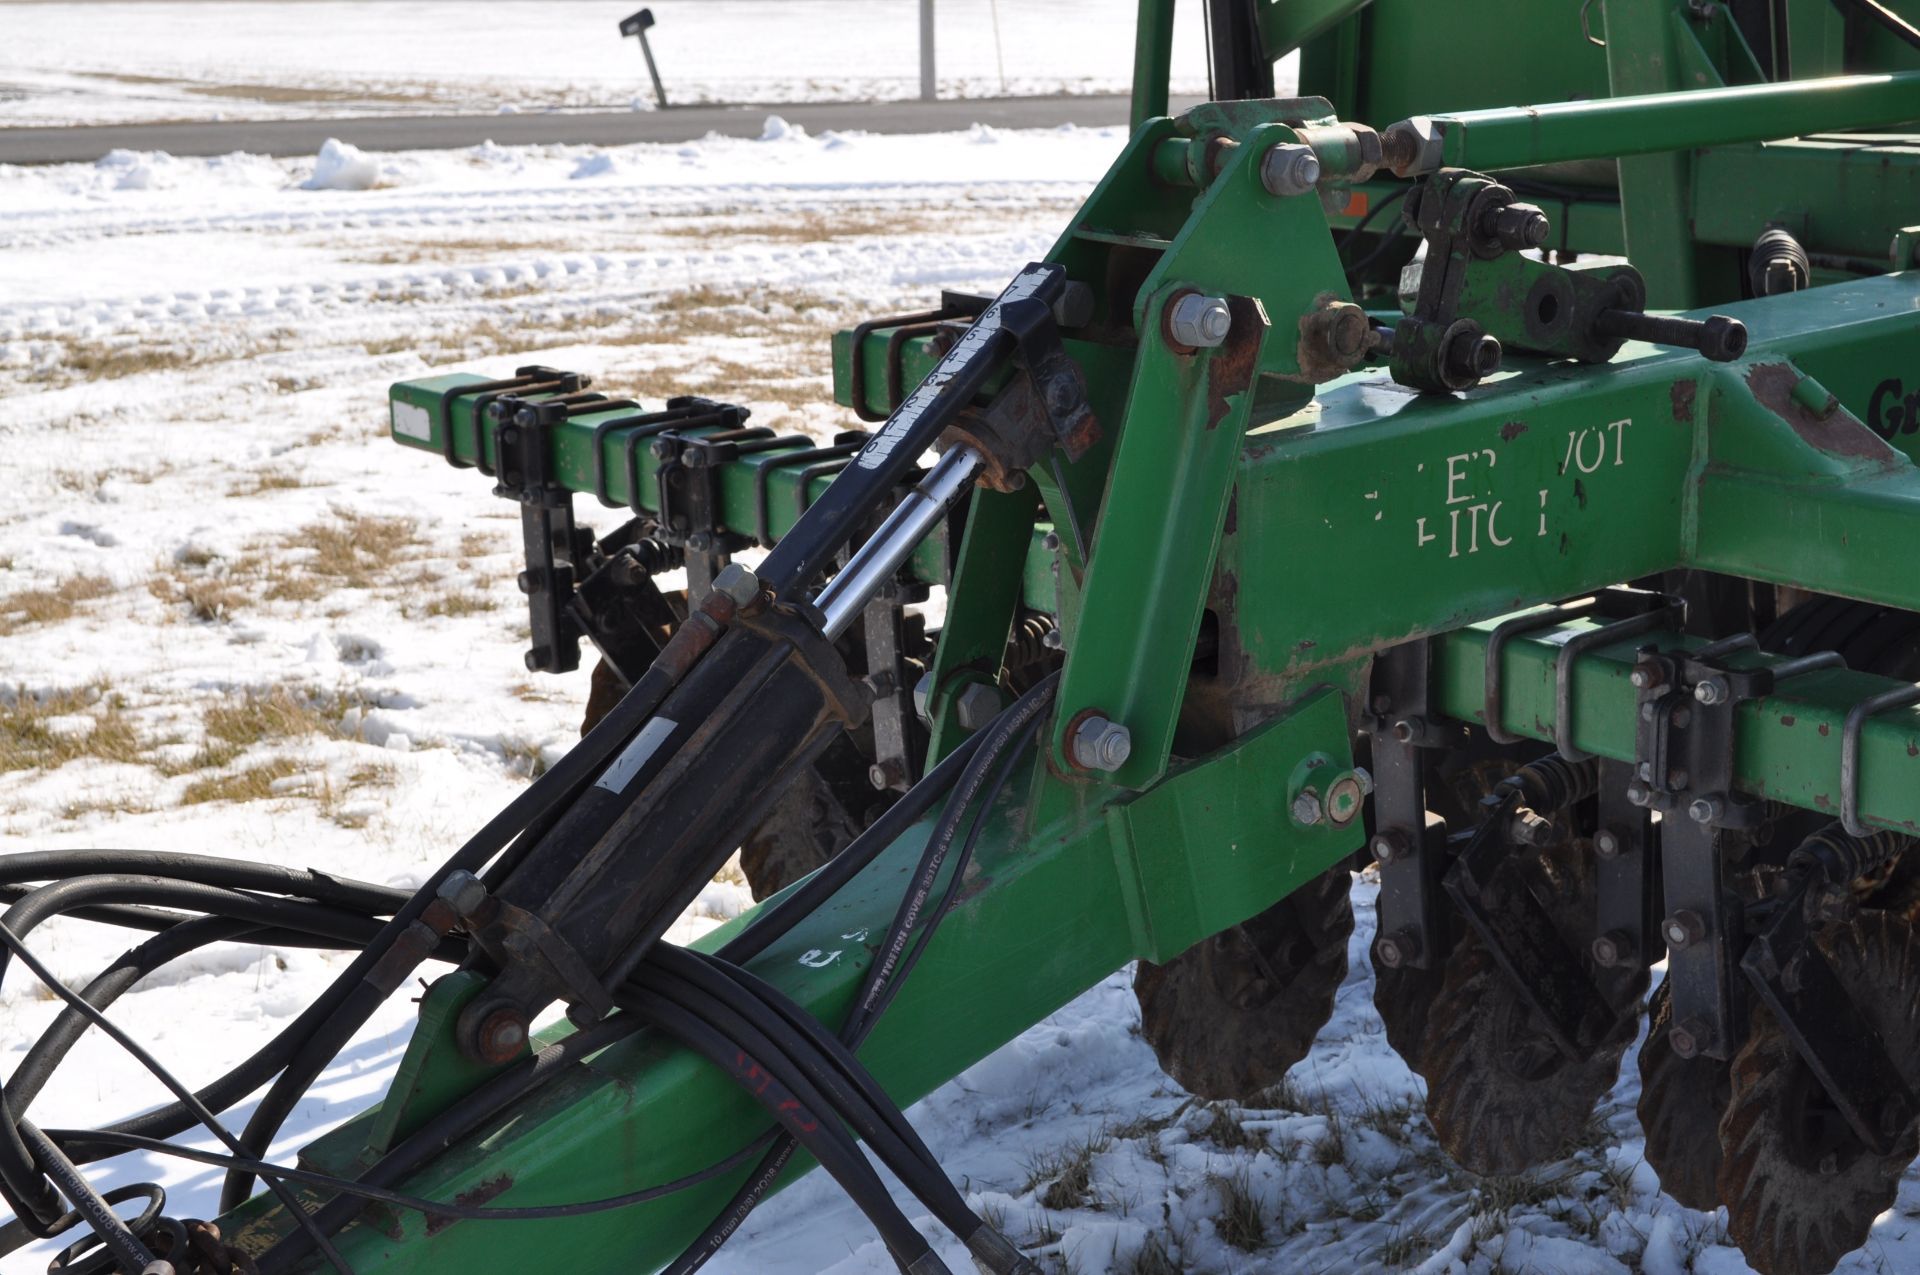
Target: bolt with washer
(1101, 744)
(1200, 321)
(1289, 169)
(1306, 808)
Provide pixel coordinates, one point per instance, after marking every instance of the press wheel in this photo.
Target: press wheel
(1501, 1097)
(1228, 1017)
(1801, 1189)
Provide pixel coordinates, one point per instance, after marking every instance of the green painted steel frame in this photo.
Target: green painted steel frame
(1319, 533)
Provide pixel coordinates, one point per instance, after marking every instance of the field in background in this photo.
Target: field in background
(106, 62)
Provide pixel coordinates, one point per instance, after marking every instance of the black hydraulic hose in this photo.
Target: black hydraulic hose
(24, 1085)
(988, 743)
(1010, 726)
(731, 1007)
(153, 920)
(21, 1181)
(936, 1190)
(51, 900)
(235, 874)
(19, 951)
(344, 1007)
(955, 883)
(15, 1235)
(804, 1120)
(320, 930)
(777, 921)
(346, 933)
(94, 1211)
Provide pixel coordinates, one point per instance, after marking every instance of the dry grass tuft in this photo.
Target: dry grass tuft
(353, 551)
(253, 783)
(50, 606)
(39, 731)
(1239, 1221)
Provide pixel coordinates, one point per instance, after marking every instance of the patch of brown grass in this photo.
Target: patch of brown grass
(352, 551)
(30, 739)
(52, 605)
(253, 783)
(267, 480)
(89, 360)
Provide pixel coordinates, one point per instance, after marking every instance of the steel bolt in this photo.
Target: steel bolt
(1713, 690)
(1306, 808)
(1390, 846)
(463, 892)
(884, 774)
(738, 583)
(1408, 729)
(1688, 1037)
(1676, 779)
(1705, 809)
(1100, 744)
(1470, 356)
(1638, 793)
(1607, 844)
(1053, 640)
(1528, 828)
(1614, 948)
(664, 449)
(1345, 796)
(923, 697)
(977, 705)
(1397, 949)
(1517, 226)
(1050, 542)
(1198, 320)
(1683, 929)
(500, 1036)
(1289, 169)
(536, 659)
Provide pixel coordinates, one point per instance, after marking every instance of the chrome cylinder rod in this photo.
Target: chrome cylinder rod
(874, 562)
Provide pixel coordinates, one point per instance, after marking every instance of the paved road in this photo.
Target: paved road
(83, 144)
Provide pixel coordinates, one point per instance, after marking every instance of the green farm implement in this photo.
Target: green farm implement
(1519, 502)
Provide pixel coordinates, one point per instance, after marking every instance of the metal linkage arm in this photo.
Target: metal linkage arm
(1519, 136)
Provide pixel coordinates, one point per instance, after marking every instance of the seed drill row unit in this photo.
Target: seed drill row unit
(1330, 497)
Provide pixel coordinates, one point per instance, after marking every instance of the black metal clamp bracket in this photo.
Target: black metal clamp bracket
(1688, 705)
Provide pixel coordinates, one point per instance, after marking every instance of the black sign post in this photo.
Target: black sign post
(637, 26)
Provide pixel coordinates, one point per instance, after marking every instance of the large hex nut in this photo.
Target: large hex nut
(977, 705)
(1100, 744)
(1199, 321)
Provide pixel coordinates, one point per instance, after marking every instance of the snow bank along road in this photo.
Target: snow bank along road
(234, 618)
(86, 143)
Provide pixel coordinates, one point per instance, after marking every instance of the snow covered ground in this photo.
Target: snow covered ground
(100, 62)
(234, 618)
